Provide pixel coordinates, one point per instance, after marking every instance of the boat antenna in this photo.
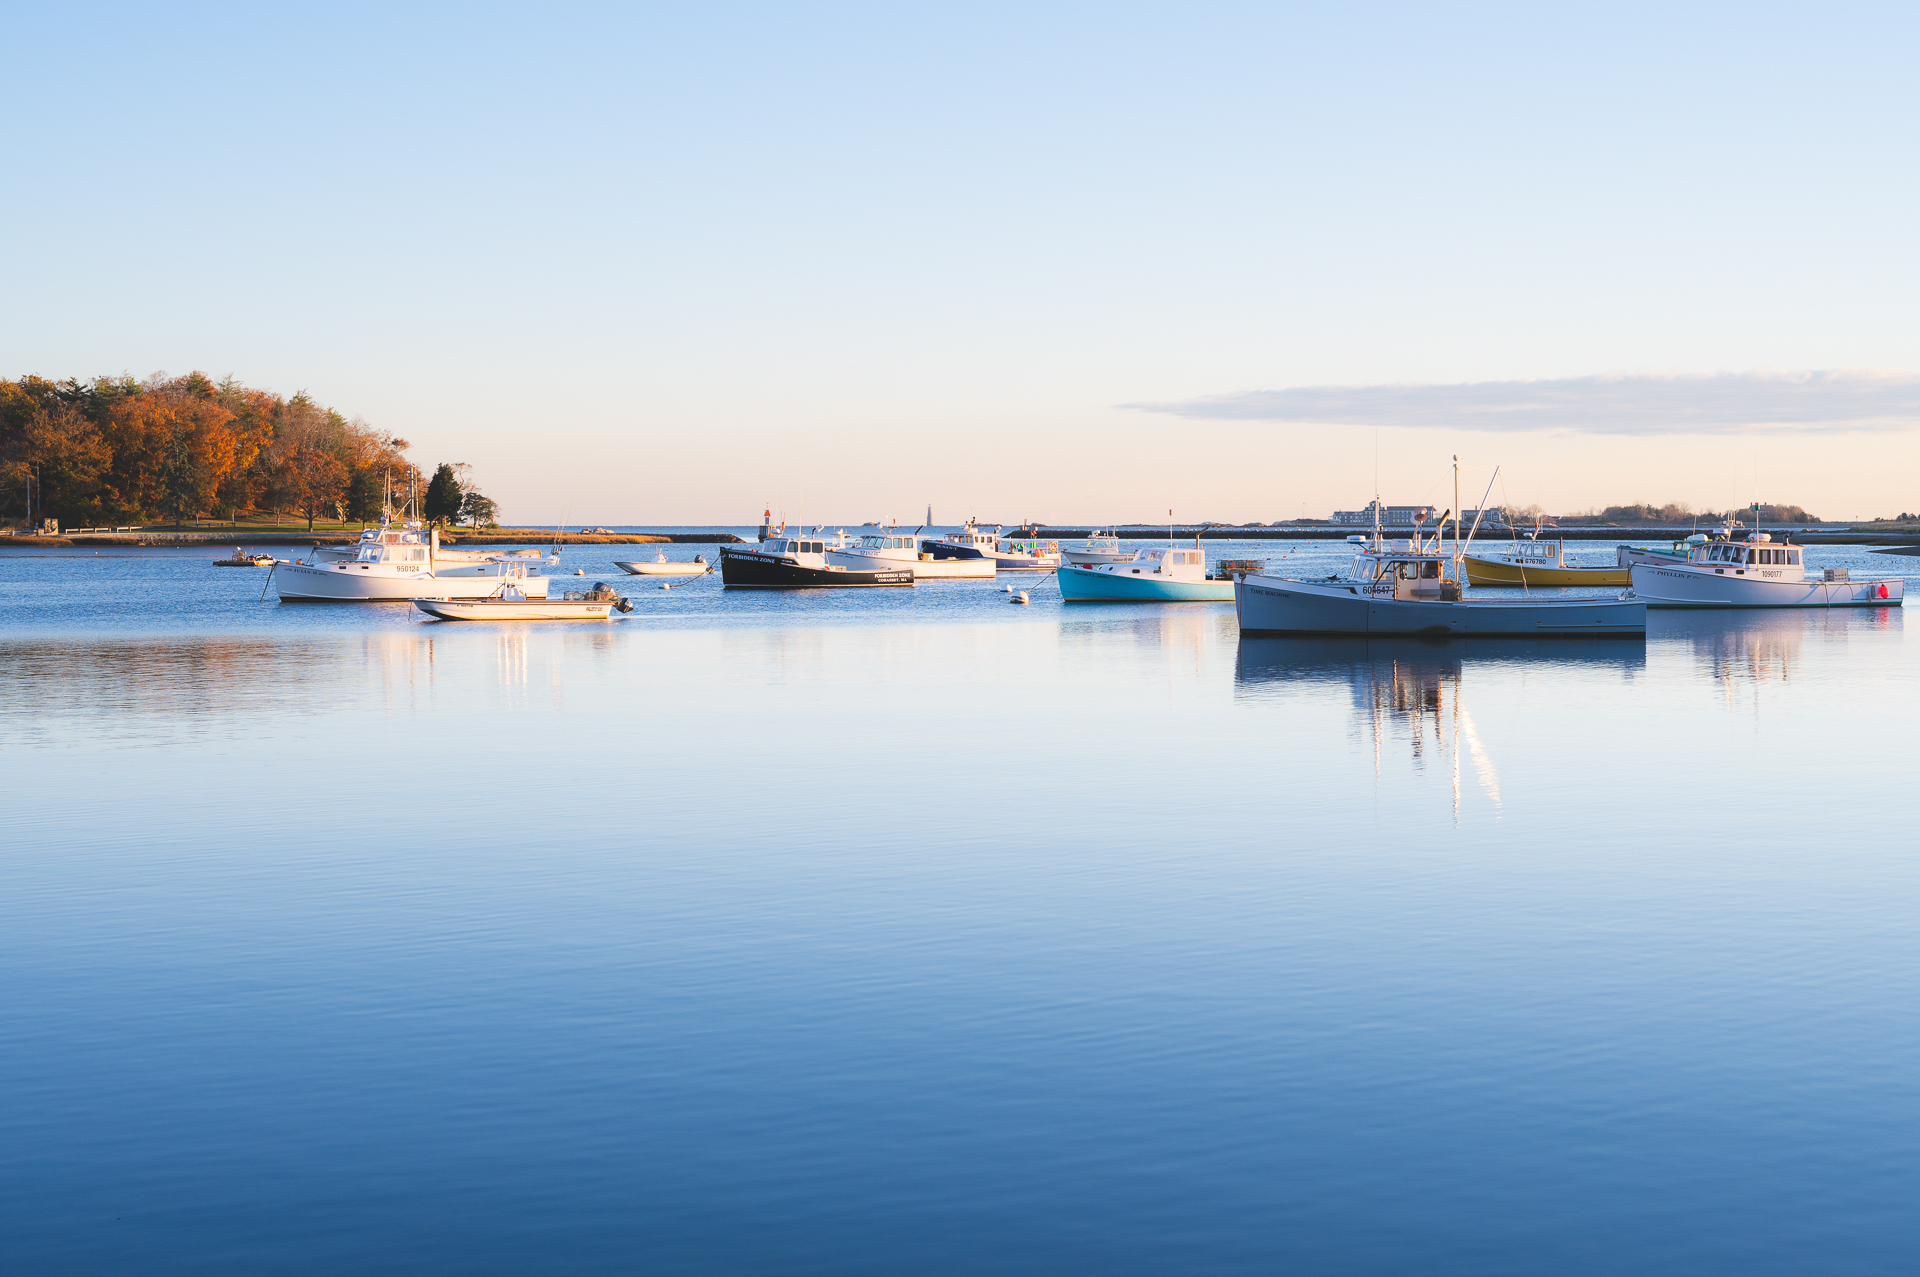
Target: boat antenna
(1456, 517)
(1459, 550)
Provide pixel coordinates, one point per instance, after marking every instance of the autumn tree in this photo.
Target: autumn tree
(315, 480)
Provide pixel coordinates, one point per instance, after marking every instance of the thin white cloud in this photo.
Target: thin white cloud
(1721, 403)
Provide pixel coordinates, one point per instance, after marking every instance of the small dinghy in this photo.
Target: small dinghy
(241, 559)
(661, 565)
(512, 604)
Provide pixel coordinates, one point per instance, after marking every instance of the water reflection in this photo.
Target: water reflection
(1764, 646)
(127, 692)
(1415, 692)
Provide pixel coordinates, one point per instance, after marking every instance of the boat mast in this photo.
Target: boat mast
(1456, 516)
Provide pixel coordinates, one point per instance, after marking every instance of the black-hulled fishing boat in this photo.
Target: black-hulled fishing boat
(796, 562)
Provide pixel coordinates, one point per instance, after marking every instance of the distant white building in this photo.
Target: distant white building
(1391, 516)
(1410, 516)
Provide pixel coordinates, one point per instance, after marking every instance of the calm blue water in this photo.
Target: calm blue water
(908, 931)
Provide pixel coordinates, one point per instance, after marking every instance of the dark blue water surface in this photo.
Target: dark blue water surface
(909, 931)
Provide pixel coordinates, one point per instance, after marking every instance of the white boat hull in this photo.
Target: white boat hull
(1093, 558)
(516, 610)
(1026, 563)
(1277, 605)
(1662, 586)
(922, 569)
(664, 569)
(388, 583)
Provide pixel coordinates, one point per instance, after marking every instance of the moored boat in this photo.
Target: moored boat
(1757, 573)
(1006, 555)
(1406, 589)
(241, 559)
(397, 564)
(1158, 575)
(1101, 547)
(512, 604)
(797, 562)
(1628, 555)
(895, 548)
(1535, 562)
(661, 565)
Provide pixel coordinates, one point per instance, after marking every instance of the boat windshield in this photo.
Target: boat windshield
(370, 554)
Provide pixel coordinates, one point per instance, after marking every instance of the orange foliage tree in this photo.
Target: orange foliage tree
(116, 449)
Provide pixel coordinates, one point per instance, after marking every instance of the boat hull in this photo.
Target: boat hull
(771, 572)
(923, 569)
(1091, 585)
(664, 569)
(503, 610)
(1682, 587)
(1276, 605)
(353, 583)
(1088, 558)
(1496, 572)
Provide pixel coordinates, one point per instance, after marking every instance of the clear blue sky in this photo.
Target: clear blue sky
(666, 264)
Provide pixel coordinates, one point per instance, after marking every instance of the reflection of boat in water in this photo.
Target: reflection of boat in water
(1535, 562)
(1404, 588)
(1272, 665)
(1413, 689)
(1756, 573)
(1766, 645)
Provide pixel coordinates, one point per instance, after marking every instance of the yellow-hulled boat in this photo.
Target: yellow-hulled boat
(1535, 562)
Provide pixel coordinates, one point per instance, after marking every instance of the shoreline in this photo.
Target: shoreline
(244, 537)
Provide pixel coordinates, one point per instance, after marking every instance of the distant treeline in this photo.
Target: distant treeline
(1678, 512)
(115, 450)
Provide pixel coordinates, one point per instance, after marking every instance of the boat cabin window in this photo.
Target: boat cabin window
(370, 554)
(1419, 571)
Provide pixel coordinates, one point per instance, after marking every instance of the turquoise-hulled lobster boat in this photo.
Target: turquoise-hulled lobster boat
(1150, 576)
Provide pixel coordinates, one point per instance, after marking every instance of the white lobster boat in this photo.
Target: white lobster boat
(1757, 572)
(398, 564)
(1101, 547)
(895, 548)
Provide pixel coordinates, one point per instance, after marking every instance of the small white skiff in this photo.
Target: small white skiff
(660, 565)
(597, 604)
